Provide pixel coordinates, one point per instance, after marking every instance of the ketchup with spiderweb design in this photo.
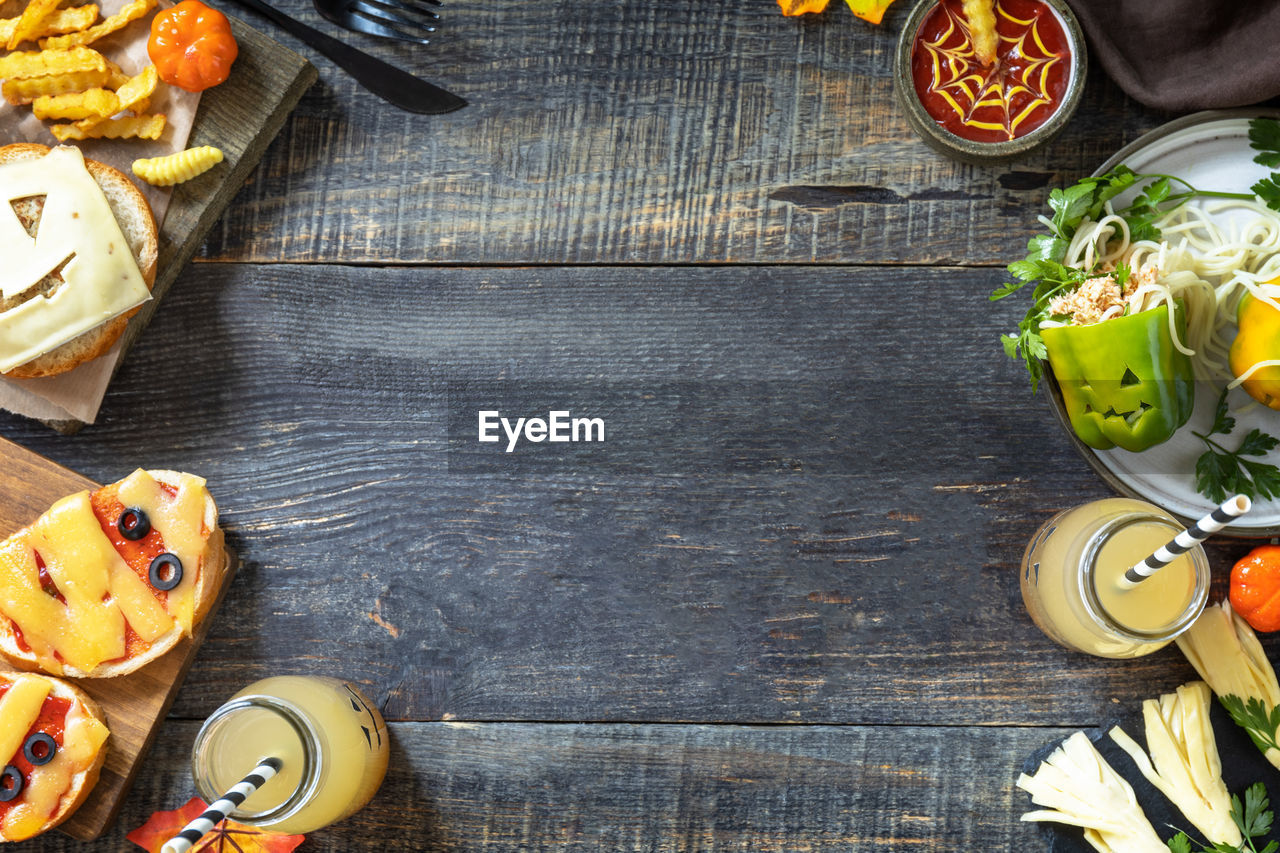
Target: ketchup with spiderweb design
(1011, 97)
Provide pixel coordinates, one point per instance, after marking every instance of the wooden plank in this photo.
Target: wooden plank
(811, 509)
(676, 789)
(134, 704)
(697, 131)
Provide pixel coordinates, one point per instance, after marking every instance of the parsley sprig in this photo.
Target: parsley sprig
(1264, 136)
(1253, 818)
(1262, 723)
(1221, 473)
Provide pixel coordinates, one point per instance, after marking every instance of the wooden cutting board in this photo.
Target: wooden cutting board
(241, 117)
(135, 704)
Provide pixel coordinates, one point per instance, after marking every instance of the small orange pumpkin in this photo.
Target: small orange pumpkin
(1255, 588)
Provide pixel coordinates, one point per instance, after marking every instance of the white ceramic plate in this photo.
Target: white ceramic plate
(1211, 151)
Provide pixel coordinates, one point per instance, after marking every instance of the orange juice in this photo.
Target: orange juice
(331, 740)
(1072, 569)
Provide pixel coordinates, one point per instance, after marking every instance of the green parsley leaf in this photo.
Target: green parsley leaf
(1254, 717)
(1269, 191)
(1222, 420)
(1221, 473)
(1046, 247)
(1257, 818)
(1180, 843)
(1007, 289)
(1264, 136)
(1257, 443)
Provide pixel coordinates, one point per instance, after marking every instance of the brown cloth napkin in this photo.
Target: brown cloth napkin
(1186, 54)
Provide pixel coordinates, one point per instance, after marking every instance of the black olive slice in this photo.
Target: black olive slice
(11, 783)
(133, 524)
(39, 749)
(166, 571)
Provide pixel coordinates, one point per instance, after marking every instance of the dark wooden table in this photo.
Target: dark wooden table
(778, 608)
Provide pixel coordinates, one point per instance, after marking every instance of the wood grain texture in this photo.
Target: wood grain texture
(134, 704)
(779, 789)
(692, 131)
(819, 488)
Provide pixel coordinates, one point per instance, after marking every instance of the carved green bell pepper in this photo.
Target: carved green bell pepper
(1123, 382)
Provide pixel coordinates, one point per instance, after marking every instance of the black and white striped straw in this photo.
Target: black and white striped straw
(216, 813)
(1230, 510)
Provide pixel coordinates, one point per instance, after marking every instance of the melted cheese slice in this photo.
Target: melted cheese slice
(100, 281)
(180, 520)
(19, 708)
(102, 593)
(82, 738)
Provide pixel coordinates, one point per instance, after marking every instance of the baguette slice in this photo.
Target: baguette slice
(55, 788)
(139, 227)
(41, 630)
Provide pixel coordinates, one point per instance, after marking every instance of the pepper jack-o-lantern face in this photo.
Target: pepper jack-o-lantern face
(1123, 383)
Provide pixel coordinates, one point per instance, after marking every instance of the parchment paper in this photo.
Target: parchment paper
(77, 394)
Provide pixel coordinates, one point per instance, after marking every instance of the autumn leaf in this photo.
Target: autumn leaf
(801, 7)
(226, 837)
(868, 10)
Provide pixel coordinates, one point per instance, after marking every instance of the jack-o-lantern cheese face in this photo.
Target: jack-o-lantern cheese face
(104, 582)
(52, 744)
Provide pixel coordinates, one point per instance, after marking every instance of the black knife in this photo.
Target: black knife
(386, 81)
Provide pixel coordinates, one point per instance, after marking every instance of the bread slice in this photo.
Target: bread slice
(139, 227)
(80, 756)
(208, 568)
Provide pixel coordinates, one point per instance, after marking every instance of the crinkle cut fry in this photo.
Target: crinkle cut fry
(130, 13)
(58, 22)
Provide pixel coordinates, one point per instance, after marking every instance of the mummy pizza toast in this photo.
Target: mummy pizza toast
(52, 740)
(105, 582)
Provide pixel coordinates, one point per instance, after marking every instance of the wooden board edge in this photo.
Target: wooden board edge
(15, 453)
(97, 813)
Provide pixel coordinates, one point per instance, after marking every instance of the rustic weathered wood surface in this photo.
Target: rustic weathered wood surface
(778, 609)
(687, 131)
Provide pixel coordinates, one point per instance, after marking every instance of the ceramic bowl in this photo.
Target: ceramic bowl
(987, 152)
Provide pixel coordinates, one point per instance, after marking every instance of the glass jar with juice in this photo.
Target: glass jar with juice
(1071, 575)
(331, 740)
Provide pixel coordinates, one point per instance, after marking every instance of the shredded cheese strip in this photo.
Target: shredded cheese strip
(1226, 653)
(1187, 768)
(1079, 788)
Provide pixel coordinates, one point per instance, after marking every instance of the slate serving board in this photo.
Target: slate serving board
(134, 704)
(1242, 765)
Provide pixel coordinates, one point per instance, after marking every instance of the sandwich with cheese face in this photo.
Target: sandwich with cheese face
(106, 581)
(80, 246)
(52, 743)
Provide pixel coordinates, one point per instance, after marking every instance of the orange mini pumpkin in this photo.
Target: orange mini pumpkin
(192, 46)
(1255, 588)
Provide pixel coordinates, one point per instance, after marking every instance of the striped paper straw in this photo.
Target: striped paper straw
(217, 812)
(1231, 509)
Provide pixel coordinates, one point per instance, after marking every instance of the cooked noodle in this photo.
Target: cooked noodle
(1209, 264)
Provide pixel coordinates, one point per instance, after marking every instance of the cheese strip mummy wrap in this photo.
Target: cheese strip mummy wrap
(104, 582)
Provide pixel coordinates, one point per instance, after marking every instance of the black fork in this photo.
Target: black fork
(407, 20)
